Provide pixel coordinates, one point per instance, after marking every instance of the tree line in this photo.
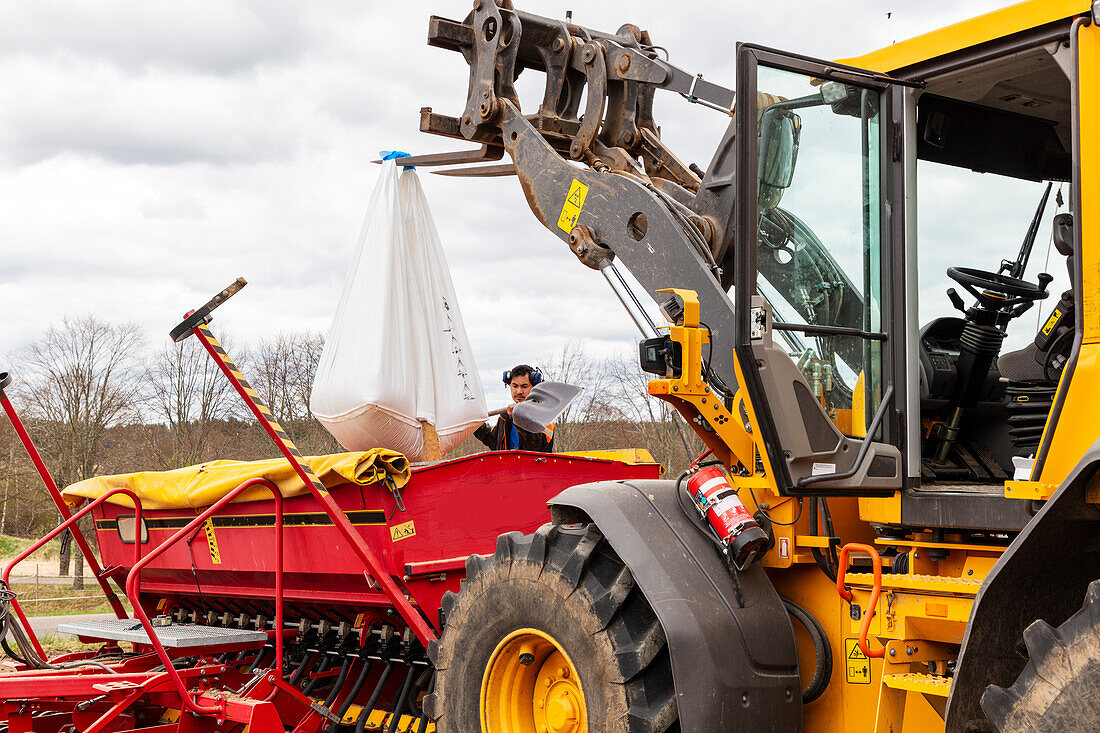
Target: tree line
(96, 402)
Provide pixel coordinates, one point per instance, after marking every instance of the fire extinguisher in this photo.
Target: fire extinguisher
(720, 506)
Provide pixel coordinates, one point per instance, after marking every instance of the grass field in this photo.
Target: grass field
(60, 600)
(43, 562)
(11, 546)
(50, 595)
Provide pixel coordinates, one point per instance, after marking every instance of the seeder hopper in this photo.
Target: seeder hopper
(298, 594)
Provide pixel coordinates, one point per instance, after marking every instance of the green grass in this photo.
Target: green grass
(11, 546)
(55, 644)
(39, 601)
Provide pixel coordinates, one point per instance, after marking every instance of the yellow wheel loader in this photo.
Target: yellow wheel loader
(895, 526)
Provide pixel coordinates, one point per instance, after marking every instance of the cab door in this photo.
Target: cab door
(814, 297)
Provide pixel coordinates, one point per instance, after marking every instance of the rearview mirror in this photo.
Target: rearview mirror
(778, 153)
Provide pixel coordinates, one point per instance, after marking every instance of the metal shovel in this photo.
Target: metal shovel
(544, 404)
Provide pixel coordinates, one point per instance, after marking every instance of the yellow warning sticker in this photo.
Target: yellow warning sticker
(571, 209)
(403, 531)
(857, 667)
(1049, 326)
(212, 543)
(162, 604)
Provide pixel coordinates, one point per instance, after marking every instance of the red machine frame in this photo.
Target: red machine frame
(417, 542)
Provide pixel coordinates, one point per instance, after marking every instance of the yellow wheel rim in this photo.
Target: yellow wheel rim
(531, 686)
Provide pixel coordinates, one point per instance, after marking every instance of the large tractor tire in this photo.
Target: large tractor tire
(551, 635)
(1059, 689)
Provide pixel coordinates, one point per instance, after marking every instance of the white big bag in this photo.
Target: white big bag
(397, 352)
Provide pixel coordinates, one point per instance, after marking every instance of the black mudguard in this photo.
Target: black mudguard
(734, 661)
(1043, 574)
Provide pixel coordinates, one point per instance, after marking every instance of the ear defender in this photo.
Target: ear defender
(536, 376)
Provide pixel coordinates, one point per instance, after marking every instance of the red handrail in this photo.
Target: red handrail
(872, 604)
(132, 580)
(62, 507)
(58, 530)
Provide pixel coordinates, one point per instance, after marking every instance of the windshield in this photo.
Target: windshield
(819, 242)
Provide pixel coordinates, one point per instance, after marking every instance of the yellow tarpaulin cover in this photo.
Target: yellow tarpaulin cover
(202, 485)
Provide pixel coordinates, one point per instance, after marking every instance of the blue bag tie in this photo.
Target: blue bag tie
(394, 154)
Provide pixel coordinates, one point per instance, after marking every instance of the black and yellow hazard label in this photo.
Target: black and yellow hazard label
(857, 667)
(571, 209)
(212, 543)
(402, 531)
(1052, 321)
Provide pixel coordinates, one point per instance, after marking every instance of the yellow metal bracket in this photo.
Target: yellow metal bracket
(1029, 490)
(730, 437)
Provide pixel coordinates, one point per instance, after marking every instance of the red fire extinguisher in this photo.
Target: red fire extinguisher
(719, 505)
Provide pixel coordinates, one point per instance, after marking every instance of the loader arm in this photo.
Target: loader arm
(602, 181)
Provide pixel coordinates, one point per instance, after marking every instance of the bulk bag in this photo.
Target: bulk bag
(397, 354)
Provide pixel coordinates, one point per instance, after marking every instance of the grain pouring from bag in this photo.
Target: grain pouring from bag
(397, 354)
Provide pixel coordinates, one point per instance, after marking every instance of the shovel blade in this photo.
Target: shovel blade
(544, 404)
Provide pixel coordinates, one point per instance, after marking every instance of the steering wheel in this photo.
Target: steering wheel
(984, 285)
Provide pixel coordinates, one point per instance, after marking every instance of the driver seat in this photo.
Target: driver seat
(1029, 364)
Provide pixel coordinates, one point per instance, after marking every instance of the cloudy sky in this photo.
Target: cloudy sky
(152, 151)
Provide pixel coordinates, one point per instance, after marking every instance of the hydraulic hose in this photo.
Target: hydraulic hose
(402, 698)
(260, 655)
(355, 688)
(361, 723)
(823, 662)
(339, 681)
(8, 650)
(306, 661)
(824, 563)
(322, 667)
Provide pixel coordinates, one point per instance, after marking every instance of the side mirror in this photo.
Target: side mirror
(778, 153)
(935, 129)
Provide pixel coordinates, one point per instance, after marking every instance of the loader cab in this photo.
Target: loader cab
(888, 267)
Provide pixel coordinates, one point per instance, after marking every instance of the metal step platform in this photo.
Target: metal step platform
(175, 636)
(924, 683)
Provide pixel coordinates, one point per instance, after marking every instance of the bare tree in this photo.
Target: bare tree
(574, 430)
(21, 487)
(654, 422)
(79, 382)
(281, 371)
(186, 396)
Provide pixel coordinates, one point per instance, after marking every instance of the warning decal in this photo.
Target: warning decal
(857, 667)
(571, 209)
(1052, 322)
(212, 543)
(402, 531)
